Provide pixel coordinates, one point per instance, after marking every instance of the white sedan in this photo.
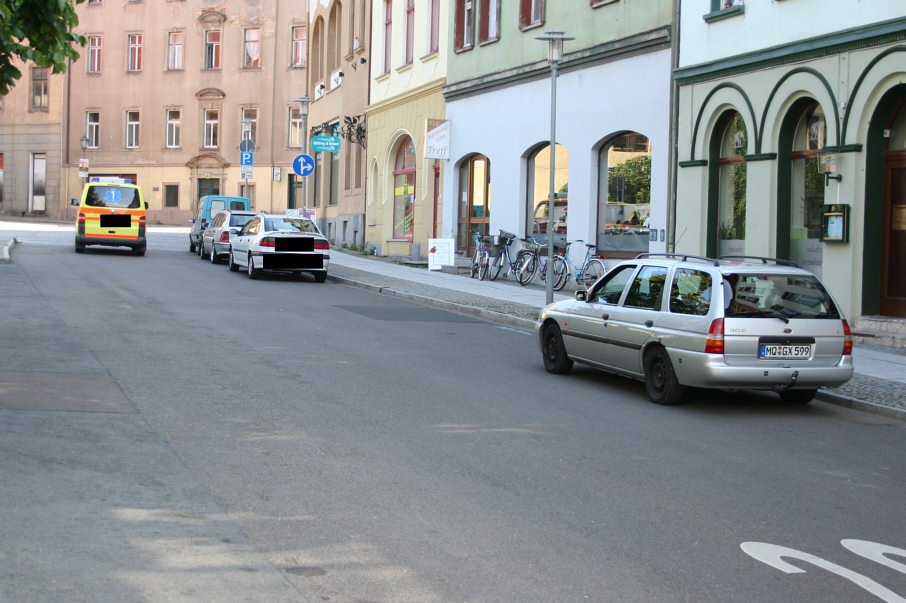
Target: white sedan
(280, 243)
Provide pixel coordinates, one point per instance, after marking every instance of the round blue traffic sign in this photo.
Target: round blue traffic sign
(304, 165)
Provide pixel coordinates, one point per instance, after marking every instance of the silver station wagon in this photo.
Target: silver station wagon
(676, 321)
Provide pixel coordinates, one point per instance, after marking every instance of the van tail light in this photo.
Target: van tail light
(322, 245)
(142, 220)
(81, 218)
(847, 339)
(225, 237)
(715, 341)
(267, 242)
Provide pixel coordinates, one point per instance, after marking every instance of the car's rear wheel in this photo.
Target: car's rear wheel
(233, 266)
(253, 272)
(191, 246)
(138, 250)
(201, 249)
(320, 277)
(79, 248)
(798, 396)
(554, 351)
(660, 378)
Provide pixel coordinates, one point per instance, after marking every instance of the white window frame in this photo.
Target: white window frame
(93, 128)
(135, 43)
(175, 50)
(248, 124)
(299, 46)
(251, 48)
(211, 132)
(174, 124)
(213, 55)
(133, 128)
(95, 48)
(296, 129)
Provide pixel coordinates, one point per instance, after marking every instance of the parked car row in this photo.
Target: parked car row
(678, 322)
(260, 242)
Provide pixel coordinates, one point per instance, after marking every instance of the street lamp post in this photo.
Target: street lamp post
(555, 41)
(83, 143)
(304, 102)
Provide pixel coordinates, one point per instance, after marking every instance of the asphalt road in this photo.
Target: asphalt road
(180, 432)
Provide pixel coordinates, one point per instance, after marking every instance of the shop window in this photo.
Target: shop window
(731, 185)
(404, 190)
(807, 189)
(539, 193)
(624, 195)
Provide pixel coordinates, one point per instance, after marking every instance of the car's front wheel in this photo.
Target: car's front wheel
(554, 351)
(660, 378)
(233, 266)
(798, 396)
(214, 258)
(253, 272)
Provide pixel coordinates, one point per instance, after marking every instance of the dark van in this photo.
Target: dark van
(208, 206)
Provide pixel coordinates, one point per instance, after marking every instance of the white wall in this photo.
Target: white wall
(768, 23)
(592, 104)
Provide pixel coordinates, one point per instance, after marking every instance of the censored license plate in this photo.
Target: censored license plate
(775, 351)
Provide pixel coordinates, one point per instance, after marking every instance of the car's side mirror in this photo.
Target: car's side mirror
(146, 205)
(582, 295)
(234, 231)
(73, 201)
(191, 221)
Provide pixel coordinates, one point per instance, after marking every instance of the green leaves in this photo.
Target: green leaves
(39, 31)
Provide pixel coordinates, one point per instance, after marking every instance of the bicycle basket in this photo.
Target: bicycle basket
(505, 238)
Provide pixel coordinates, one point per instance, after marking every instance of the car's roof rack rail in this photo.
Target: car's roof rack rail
(761, 259)
(683, 256)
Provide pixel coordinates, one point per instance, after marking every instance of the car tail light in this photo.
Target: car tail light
(322, 244)
(847, 339)
(225, 237)
(81, 218)
(267, 242)
(715, 341)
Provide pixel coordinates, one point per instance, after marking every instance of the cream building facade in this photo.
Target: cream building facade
(405, 172)
(339, 45)
(792, 141)
(31, 129)
(165, 92)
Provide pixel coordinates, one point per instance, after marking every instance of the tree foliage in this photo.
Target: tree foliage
(39, 31)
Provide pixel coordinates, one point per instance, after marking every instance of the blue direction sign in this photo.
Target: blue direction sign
(304, 165)
(246, 158)
(325, 144)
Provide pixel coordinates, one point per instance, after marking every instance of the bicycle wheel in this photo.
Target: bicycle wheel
(594, 270)
(526, 269)
(483, 264)
(473, 270)
(560, 273)
(496, 266)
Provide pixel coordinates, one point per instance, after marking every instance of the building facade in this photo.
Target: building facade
(792, 141)
(612, 129)
(339, 79)
(166, 92)
(405, 173)
(31, 130)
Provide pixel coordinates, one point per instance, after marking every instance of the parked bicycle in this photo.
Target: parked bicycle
(504, 240)
(531, 263)
(482, 258)
(585, 275)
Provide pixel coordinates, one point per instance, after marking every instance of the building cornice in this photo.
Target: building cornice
(429, 89)
(857, 38)
(642, 43)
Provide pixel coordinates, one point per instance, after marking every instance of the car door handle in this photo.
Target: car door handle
(605, 316)
(649, 323)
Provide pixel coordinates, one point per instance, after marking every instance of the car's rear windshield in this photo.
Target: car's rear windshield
(239, 220)
(778, 295)
(290, 225)
(113, 196)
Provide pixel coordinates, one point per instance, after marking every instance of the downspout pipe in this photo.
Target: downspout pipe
(674, 127)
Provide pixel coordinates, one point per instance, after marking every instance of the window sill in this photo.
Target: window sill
(382, 77)
(404, 68)
(463, 49)
(597, 3)
(430, 56)
(724, 13)
(535, 25)
(409, 240)
(488, 41)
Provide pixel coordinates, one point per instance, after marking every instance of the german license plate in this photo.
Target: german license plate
(777, 351)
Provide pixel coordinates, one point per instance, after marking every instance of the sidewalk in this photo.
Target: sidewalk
(879, 384)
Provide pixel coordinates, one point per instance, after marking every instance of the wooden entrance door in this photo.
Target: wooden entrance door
(893, 259)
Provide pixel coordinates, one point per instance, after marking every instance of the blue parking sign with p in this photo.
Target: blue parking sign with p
(246, 158)
(304, 165)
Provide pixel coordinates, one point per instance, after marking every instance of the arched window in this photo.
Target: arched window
(404, 190)
(474, 201)
(807, 189)
(333, 37)
(624, 195)
(539, 192)
(317, 51)
(730, 215)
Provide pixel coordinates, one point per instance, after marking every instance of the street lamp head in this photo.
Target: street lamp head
(304, 102)
(83, 142)
(555, 41)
